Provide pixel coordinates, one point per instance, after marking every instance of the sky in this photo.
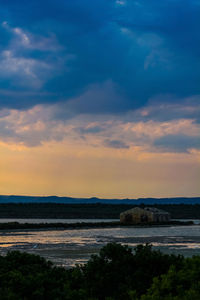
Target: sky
(100, 98)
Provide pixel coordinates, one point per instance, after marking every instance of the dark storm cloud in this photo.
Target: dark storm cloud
(168, 108)
(56, 51)
(178, 21)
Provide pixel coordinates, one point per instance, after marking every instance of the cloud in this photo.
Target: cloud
(177, 143)
(24, 72)
(91, 129)
(176, 21)
(28, 61)
(69, 49)
(116, 74)
(97, 99)
(42, 124)
(117, 144)
(166, 108)
(30, 128)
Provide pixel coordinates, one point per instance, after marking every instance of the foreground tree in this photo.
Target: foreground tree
(116, 273)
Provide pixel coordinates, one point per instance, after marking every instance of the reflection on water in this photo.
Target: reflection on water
(68, 247)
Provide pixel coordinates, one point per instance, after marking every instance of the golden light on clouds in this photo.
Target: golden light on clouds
(102, 156)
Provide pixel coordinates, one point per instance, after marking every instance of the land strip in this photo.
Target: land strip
(83, 225)
(88, 211)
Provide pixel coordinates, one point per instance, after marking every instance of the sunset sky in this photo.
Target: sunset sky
(100, 98)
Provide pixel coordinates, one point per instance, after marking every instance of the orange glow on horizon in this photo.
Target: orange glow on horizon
(64, 169)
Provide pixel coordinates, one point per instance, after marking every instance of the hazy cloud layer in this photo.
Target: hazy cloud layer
(40, 124)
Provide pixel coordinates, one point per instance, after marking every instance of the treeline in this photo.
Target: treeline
(84, 225)
(51, 226)
(88, 211)
(116, 273)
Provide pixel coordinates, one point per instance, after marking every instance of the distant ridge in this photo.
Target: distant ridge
(93, 200)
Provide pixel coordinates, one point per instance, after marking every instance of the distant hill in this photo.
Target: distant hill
(69, 200)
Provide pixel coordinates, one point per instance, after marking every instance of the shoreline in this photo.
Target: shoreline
(86, 225)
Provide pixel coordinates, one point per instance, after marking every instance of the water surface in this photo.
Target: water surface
(68, 247)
